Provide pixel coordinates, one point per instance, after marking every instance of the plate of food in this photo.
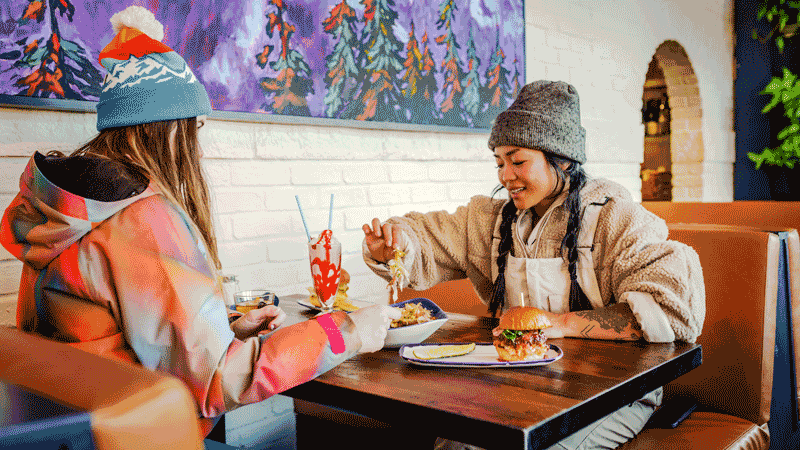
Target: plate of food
(466, 354)
(421, 317)
(519, 341)
(341, 300)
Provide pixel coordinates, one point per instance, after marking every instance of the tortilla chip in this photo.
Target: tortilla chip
(340, 302)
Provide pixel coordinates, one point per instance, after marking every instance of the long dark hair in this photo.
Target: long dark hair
(576, 177)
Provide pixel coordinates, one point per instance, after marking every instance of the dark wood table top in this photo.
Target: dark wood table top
(525, 408)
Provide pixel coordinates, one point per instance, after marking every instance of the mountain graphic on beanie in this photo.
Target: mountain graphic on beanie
(147, 81)
(146, 70)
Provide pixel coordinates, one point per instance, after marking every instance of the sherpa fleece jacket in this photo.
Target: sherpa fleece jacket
(661, 280)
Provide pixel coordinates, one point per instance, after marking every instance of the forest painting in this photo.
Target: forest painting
(454, 63)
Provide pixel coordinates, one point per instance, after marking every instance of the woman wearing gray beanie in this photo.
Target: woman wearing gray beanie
(580, 249)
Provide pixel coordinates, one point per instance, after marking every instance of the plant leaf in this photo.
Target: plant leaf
(774, 85)
(788, 76)
(773, 103)
(756, 158)
(788, 130)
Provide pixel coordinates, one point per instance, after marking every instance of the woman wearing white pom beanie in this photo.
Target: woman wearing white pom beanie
(119, 234)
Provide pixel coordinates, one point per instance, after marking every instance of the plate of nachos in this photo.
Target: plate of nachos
(421, 317)
(340, 303)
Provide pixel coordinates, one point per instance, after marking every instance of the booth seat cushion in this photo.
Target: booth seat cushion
(702, 431)
(130, 406)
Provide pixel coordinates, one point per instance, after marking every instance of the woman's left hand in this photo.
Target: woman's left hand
(261, 321)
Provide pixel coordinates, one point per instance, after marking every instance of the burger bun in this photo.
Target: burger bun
(524, 318)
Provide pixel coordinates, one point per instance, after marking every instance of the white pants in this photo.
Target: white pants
(608, 432)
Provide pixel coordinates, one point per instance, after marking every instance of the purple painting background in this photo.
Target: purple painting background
(220, 38)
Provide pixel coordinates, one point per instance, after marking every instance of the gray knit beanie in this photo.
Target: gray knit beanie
(545, 116)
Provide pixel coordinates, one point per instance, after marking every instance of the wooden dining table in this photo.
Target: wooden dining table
(502, 407)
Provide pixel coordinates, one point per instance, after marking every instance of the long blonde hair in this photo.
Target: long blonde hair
(175, 170)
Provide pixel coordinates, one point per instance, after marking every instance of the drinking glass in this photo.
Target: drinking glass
(249, 300)
(325, 257)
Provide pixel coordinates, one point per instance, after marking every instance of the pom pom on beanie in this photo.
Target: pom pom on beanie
(139, 18)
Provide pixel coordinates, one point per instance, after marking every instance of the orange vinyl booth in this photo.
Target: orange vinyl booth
(733, 387)
(782, 218)
(128, 406)
(768, 215)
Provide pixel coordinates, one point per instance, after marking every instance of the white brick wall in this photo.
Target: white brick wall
(256, 169)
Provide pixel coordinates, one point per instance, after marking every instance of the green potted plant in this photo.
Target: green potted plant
(785, 91)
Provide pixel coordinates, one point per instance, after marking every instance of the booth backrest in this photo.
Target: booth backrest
(767, 215)
(740, 269)
(130, 406)
(749, 213)
(454, 296)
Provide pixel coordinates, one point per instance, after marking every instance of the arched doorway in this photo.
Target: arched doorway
(656, 170)
(676, 147)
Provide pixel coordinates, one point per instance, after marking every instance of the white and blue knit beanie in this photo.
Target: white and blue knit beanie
(546, 116)
(147, 81)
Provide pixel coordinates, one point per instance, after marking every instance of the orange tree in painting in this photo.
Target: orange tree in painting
(287, 90)
(419, 81)
(497, 89)
(341, 63)
(515, 84)
(451, 65)
(52, 67)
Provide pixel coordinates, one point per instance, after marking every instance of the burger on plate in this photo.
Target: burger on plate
(520, 335)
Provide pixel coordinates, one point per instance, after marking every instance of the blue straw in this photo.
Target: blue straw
(330, 214)
(303, 217)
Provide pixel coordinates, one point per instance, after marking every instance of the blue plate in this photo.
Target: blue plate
(414, 334)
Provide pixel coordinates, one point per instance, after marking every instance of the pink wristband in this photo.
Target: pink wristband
(334, 335)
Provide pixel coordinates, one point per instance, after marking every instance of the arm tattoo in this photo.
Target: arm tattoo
(615, 317)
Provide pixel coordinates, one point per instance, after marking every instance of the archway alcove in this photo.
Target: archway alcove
(672, 74)
(656, 170)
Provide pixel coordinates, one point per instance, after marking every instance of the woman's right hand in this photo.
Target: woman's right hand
(383, 239)
(372, 323)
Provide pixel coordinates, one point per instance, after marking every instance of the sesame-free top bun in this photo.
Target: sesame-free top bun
(524, 318)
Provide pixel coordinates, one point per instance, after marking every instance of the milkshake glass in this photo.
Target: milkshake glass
(325, 256)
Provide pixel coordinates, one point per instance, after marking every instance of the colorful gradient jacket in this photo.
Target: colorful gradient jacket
(126, 278)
